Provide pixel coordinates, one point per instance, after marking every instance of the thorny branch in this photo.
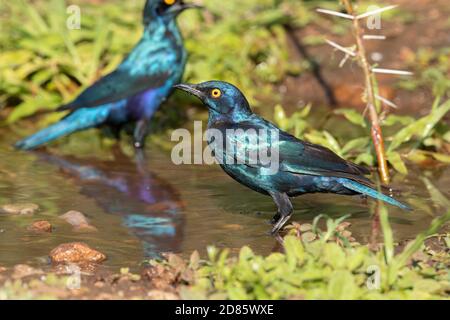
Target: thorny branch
(377, 135)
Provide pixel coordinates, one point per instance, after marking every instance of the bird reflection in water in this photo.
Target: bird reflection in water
(151, 208)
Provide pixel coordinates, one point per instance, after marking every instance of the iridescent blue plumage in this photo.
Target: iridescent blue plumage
(136, 89)
(301, 167)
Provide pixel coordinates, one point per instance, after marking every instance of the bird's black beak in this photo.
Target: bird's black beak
(181, 6)
(192, 89)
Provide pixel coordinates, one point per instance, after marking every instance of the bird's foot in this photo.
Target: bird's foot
(274, 219)
(280, 223)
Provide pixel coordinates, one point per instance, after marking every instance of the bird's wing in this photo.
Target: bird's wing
(295, 155)
(139, 72)
(306, 158)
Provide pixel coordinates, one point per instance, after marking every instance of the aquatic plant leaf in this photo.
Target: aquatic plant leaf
(436, 195)
(295, 253)
(280, 117)
(342, 286)
(415, 245)
(393, 119)
(245, 254)
(421, 128)
(332, 142)
(333, 255)
(353, 116)
(305, 111)
(366, 158)
(356, 258)
(446, 136)
(355, 145)
(324, 139)
(440, 157)
(388, 238)
(212, 252)
(397, 162)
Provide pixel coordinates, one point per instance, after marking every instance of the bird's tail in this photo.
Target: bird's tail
(76, 121)
(360, 188)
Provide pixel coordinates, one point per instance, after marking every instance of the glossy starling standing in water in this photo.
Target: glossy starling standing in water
(302, 167)
(136, 89)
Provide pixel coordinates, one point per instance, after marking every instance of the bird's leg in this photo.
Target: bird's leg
(275, 218)
(284, 213)
(140, 133)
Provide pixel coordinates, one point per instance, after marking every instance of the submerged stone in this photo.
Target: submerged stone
(40, 226)
(19, 208)
(78, 220)
(76, 252)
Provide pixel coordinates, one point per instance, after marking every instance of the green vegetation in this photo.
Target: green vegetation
(414, 139)
(43, 64)
(324, 265)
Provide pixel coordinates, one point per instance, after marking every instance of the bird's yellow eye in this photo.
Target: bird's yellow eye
(216, 93)
(169, 2)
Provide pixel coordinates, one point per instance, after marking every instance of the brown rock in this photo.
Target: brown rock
(74, 218)
(160, 277)
(19, 208)
(78, 220)
(40, 226)
(75, 252)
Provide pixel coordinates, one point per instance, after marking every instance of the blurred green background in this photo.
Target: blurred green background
(274, 50)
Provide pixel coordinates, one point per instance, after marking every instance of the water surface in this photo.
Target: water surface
(144, 207)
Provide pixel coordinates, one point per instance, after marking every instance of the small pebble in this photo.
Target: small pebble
(78, 220)
(74, 218)
(40, 226)
(19, 208)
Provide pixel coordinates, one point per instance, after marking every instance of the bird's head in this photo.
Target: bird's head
(221, 98)
(166, 9)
